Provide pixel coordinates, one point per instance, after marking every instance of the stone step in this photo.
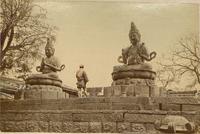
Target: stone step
(105, 103)
(96, 103)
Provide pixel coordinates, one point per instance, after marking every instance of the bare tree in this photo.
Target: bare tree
(185, 59)
(166, 75)
(23, 33)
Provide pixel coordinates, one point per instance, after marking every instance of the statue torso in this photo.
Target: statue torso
(133, 55)
(53, 61)
(134, 52)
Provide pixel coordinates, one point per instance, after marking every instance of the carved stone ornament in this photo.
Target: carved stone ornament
(175, 124)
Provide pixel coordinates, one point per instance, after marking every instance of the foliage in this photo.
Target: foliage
(23, 34)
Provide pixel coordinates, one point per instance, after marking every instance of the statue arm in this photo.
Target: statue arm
(40, 68)
(144, 51)
(54, 67)
(124, 56)
(145, 55)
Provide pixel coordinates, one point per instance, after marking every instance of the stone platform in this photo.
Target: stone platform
(141, 90)
(42, 92)
(43, 87)
(133, 80)
(38, 79)
(132, 71)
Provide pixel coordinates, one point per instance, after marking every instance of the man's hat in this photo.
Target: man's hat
(81, 66)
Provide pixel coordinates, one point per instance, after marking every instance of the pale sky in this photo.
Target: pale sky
(93, 33)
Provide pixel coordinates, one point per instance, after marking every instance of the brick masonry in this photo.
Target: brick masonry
(66, 116)
(85, 121)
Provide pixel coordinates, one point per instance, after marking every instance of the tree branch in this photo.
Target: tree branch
(9, 42)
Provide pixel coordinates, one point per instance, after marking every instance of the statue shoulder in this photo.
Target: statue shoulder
(143, 49)
(142, 46)
(54, 58)
(55, 61)
(126, 49)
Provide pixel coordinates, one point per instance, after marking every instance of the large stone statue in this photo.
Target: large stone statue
(46, 85)
(136, 53)
(135, 71)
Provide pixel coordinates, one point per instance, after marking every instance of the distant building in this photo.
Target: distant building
(191, 93)
(9, 87)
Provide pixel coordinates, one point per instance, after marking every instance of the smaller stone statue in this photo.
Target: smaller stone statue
(46, 85)
(82, 80)
(137, 52)
(50, 65)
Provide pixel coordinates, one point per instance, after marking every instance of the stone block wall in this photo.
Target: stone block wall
(123, 90)
(105, 103)
(85, 121)
(100, 103)
(118, 114)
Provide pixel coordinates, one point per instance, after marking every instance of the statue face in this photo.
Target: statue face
(134, 39)
(49, 51)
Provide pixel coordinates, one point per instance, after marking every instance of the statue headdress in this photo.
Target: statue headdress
(49, 44)
(134, 30)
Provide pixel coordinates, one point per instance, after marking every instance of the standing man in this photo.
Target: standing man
(82, 80)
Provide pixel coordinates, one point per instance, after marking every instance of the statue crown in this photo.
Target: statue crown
(49, 44)
(134, 30)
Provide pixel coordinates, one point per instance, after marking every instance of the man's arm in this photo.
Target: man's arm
(85, 77)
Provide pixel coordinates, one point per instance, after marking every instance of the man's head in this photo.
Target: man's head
(134, 34)
(81, 66)
(49, 49)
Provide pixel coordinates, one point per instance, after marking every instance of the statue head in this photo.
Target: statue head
(49, 49)
(134, 34)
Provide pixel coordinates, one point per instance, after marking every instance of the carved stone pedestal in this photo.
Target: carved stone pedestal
(41, 87)
(133, 80)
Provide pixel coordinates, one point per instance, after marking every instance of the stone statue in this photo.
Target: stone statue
(46, 85)
(135, 72)
(50, 64)
(137, 52)
(82, 80)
